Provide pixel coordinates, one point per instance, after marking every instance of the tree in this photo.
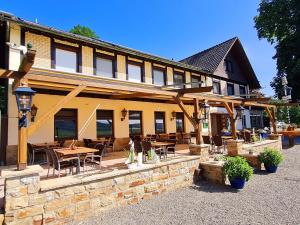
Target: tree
(84, 31)
(279, 22)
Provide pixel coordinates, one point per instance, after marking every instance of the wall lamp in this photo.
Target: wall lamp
(124, 114)
(33, 112)
(173, 115)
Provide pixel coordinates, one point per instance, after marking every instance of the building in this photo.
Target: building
(119, 91)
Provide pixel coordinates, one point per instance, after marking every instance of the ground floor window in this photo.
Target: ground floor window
(65, 124)
(159, 118)
(105, 123)
(179, 122)
(135, 123)
(3, 96)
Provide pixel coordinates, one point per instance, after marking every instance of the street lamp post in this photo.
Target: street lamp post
(24, 102)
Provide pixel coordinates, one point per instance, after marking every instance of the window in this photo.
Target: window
(195, 82)
(134, 72)
(229, 66)
(105, 66)
(242, 91)
(3, 97)
(216, 87)
(230, 89)
(65, 124)
(159, 122)
(135, 123)
(159, 77)
(178, 80)
(65, 58)
(179, 122)
(105, 123)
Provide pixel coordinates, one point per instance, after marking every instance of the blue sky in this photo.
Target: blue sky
(172, 29)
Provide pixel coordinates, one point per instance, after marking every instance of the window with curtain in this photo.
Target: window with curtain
(135, 123)
(179, 122)
(230, 89)
(65, 124)
(105, 123)
(178, 80)
(159, 118)
(105, 67)
(216, 87)
(159, 77)
(134, 72)
(195, 82)
(66, 60)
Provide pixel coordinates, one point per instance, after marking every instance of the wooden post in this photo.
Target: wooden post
(230, 110)
(198, 127)
(271, 114)
(22, 148)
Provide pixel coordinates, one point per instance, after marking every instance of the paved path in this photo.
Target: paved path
(266, 199)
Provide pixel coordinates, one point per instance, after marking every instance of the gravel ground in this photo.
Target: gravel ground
(266, 199)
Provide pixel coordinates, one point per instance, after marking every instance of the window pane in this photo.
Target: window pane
(104, 67)
(179, 122)
(243, 91)
(135, 123)
(216, 87)
(159, 122)
(65, 124)
(195, 82)
(230, 89)
(134, 73)
(159, 77)
(65, 60)
(178, 80)
(104, 123)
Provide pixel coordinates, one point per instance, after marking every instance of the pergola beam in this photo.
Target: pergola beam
(132, 95)
(184, 110)
(261, 99)
(53, 110)
(271, 114)
(194, 90)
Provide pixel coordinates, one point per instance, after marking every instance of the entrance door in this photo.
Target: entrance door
(218, 123)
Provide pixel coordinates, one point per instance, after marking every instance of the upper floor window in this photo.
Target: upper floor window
(229, 66)
(216, 87)
(65, 58)
(243, 91)
(196, 82)
(230, 89)
(105, 66)
(135, 72)
(178, 79)
(159, 77)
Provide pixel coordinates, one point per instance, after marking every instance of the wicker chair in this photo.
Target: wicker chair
(59, 163)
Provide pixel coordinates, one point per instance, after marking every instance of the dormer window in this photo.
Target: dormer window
(135, 71)
(229, 66)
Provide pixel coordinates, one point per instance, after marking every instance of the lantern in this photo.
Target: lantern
(173, 115)
(124, 114)
(24, 98)
(33, 112)
(205, 109)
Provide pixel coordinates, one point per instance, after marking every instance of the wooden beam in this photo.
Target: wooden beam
(133, 95)
(54, 109)
(271, 115)
(198, 127)
(228, 108)
(182, 107)
(194, 90)
(27, 61)
(262, 99)
(233, 123)
(10, 74)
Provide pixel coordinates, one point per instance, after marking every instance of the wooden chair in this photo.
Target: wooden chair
(58, 163)
(217, 141)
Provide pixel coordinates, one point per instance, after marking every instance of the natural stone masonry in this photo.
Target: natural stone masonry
(28, 200)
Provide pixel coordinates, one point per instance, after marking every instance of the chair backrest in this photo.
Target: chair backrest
(29, 148)
(101, 147)
(206, 139)
(86, 142)
(137, 146)
(146, 145)
(52, 157)
(217, 139)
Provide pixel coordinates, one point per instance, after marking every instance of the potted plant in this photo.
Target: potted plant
(238, 171)
(263, 133)
(152, 157)
(271, 158)
(130, 161)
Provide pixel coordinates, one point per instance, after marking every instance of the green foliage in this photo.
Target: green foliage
(84, 31)
(130, 155)
(254, 138)
(237, 167)
(270, 157)
(279, 22)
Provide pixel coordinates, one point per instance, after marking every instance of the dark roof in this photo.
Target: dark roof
(95, 42)
(211, 58)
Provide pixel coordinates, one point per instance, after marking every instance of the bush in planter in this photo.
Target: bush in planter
(238, 171)
(271, 158)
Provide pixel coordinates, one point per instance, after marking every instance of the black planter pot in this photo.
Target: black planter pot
(271, 168)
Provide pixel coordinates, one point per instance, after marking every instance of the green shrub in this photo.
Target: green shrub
(270, 157)
(237, 167)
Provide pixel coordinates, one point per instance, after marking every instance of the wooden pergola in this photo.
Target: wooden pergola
(76, 83)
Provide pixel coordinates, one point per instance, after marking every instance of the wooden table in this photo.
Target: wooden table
(78, 151)
(46, 145)
(162, 145)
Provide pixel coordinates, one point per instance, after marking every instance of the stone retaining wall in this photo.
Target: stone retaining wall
(28, 200)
